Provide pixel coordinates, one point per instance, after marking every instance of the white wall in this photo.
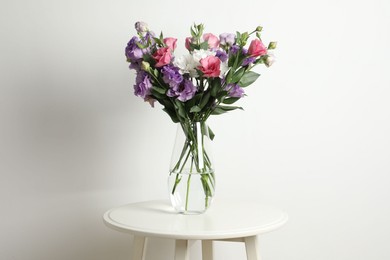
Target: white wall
(314, 138)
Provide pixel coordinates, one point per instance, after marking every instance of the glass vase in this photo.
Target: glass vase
(191, 181)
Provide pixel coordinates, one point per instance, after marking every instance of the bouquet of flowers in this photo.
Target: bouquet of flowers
(206, 81)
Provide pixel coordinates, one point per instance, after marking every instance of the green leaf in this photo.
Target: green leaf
(204, 100)
(238, 75)
(215, 86)
(193, 101)
(193, 34)
(244, 38)
(218, 111)
(204, 46)
(211, 134)
(180, 109)
(248, 78)
(238, 38)
(158, 41)
(172, 115)
(159, 90)
(155, 72)
(230, 101)
(229, 108)
(141, 46)
(223, 109)
(195, 109)
(157, 94)
(221, 95)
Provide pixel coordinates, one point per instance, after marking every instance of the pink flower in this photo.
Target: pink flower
(210, 66)
(170, 43)
(163, 56)
(188, 43)
(257, 48)
(212, 40)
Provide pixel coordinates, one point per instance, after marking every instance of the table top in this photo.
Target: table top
(223, 220)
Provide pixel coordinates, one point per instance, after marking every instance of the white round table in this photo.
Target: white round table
(239, 221)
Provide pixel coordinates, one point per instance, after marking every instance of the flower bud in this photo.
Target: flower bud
(145, 66)
(272, 45)
(269, 60)
(259, 28)
(141, 27)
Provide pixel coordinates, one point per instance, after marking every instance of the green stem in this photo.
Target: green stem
(188, 190)
(200, 162)
(177, 181)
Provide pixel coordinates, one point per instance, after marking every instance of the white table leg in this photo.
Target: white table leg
(139, 245)
(181, 250)
(207, 250)
(252, 248)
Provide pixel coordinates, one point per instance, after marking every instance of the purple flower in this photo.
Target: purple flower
(171, 75)
(234, 49)
(183, 92)
(149, 39)
(135, 65)
(187, 92)
(227, 39)
(248, 61)
(234, 90)
(221, 55)
(141, 27)
(143, 85)
(132, 51)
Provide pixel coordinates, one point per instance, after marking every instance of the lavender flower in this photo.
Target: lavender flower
(187, 92)
(143, 85)
(135, 65)
(183, 92)
(234, 90)
(132, 51)
(227, 39)
(149, 38)
(141, 27)
(221, 55)
(248, 61)
(234, 49)
(171, 75)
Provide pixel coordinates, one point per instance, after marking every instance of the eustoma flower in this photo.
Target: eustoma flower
(188, 43)
(234, 90)
(162, 56)
(132, 51)
(170, 43)
(257, 48)
(143, 85)
(187, 65)
(212, 40)
(183, 92)
(171, 75)
(210, 66)
(227, 39)
(141, 27)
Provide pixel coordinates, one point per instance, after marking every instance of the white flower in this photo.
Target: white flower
(187, 64)
(270, 60)
(201, 54)
(224, 68)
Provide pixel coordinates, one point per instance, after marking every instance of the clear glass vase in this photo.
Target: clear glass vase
(191, 181)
